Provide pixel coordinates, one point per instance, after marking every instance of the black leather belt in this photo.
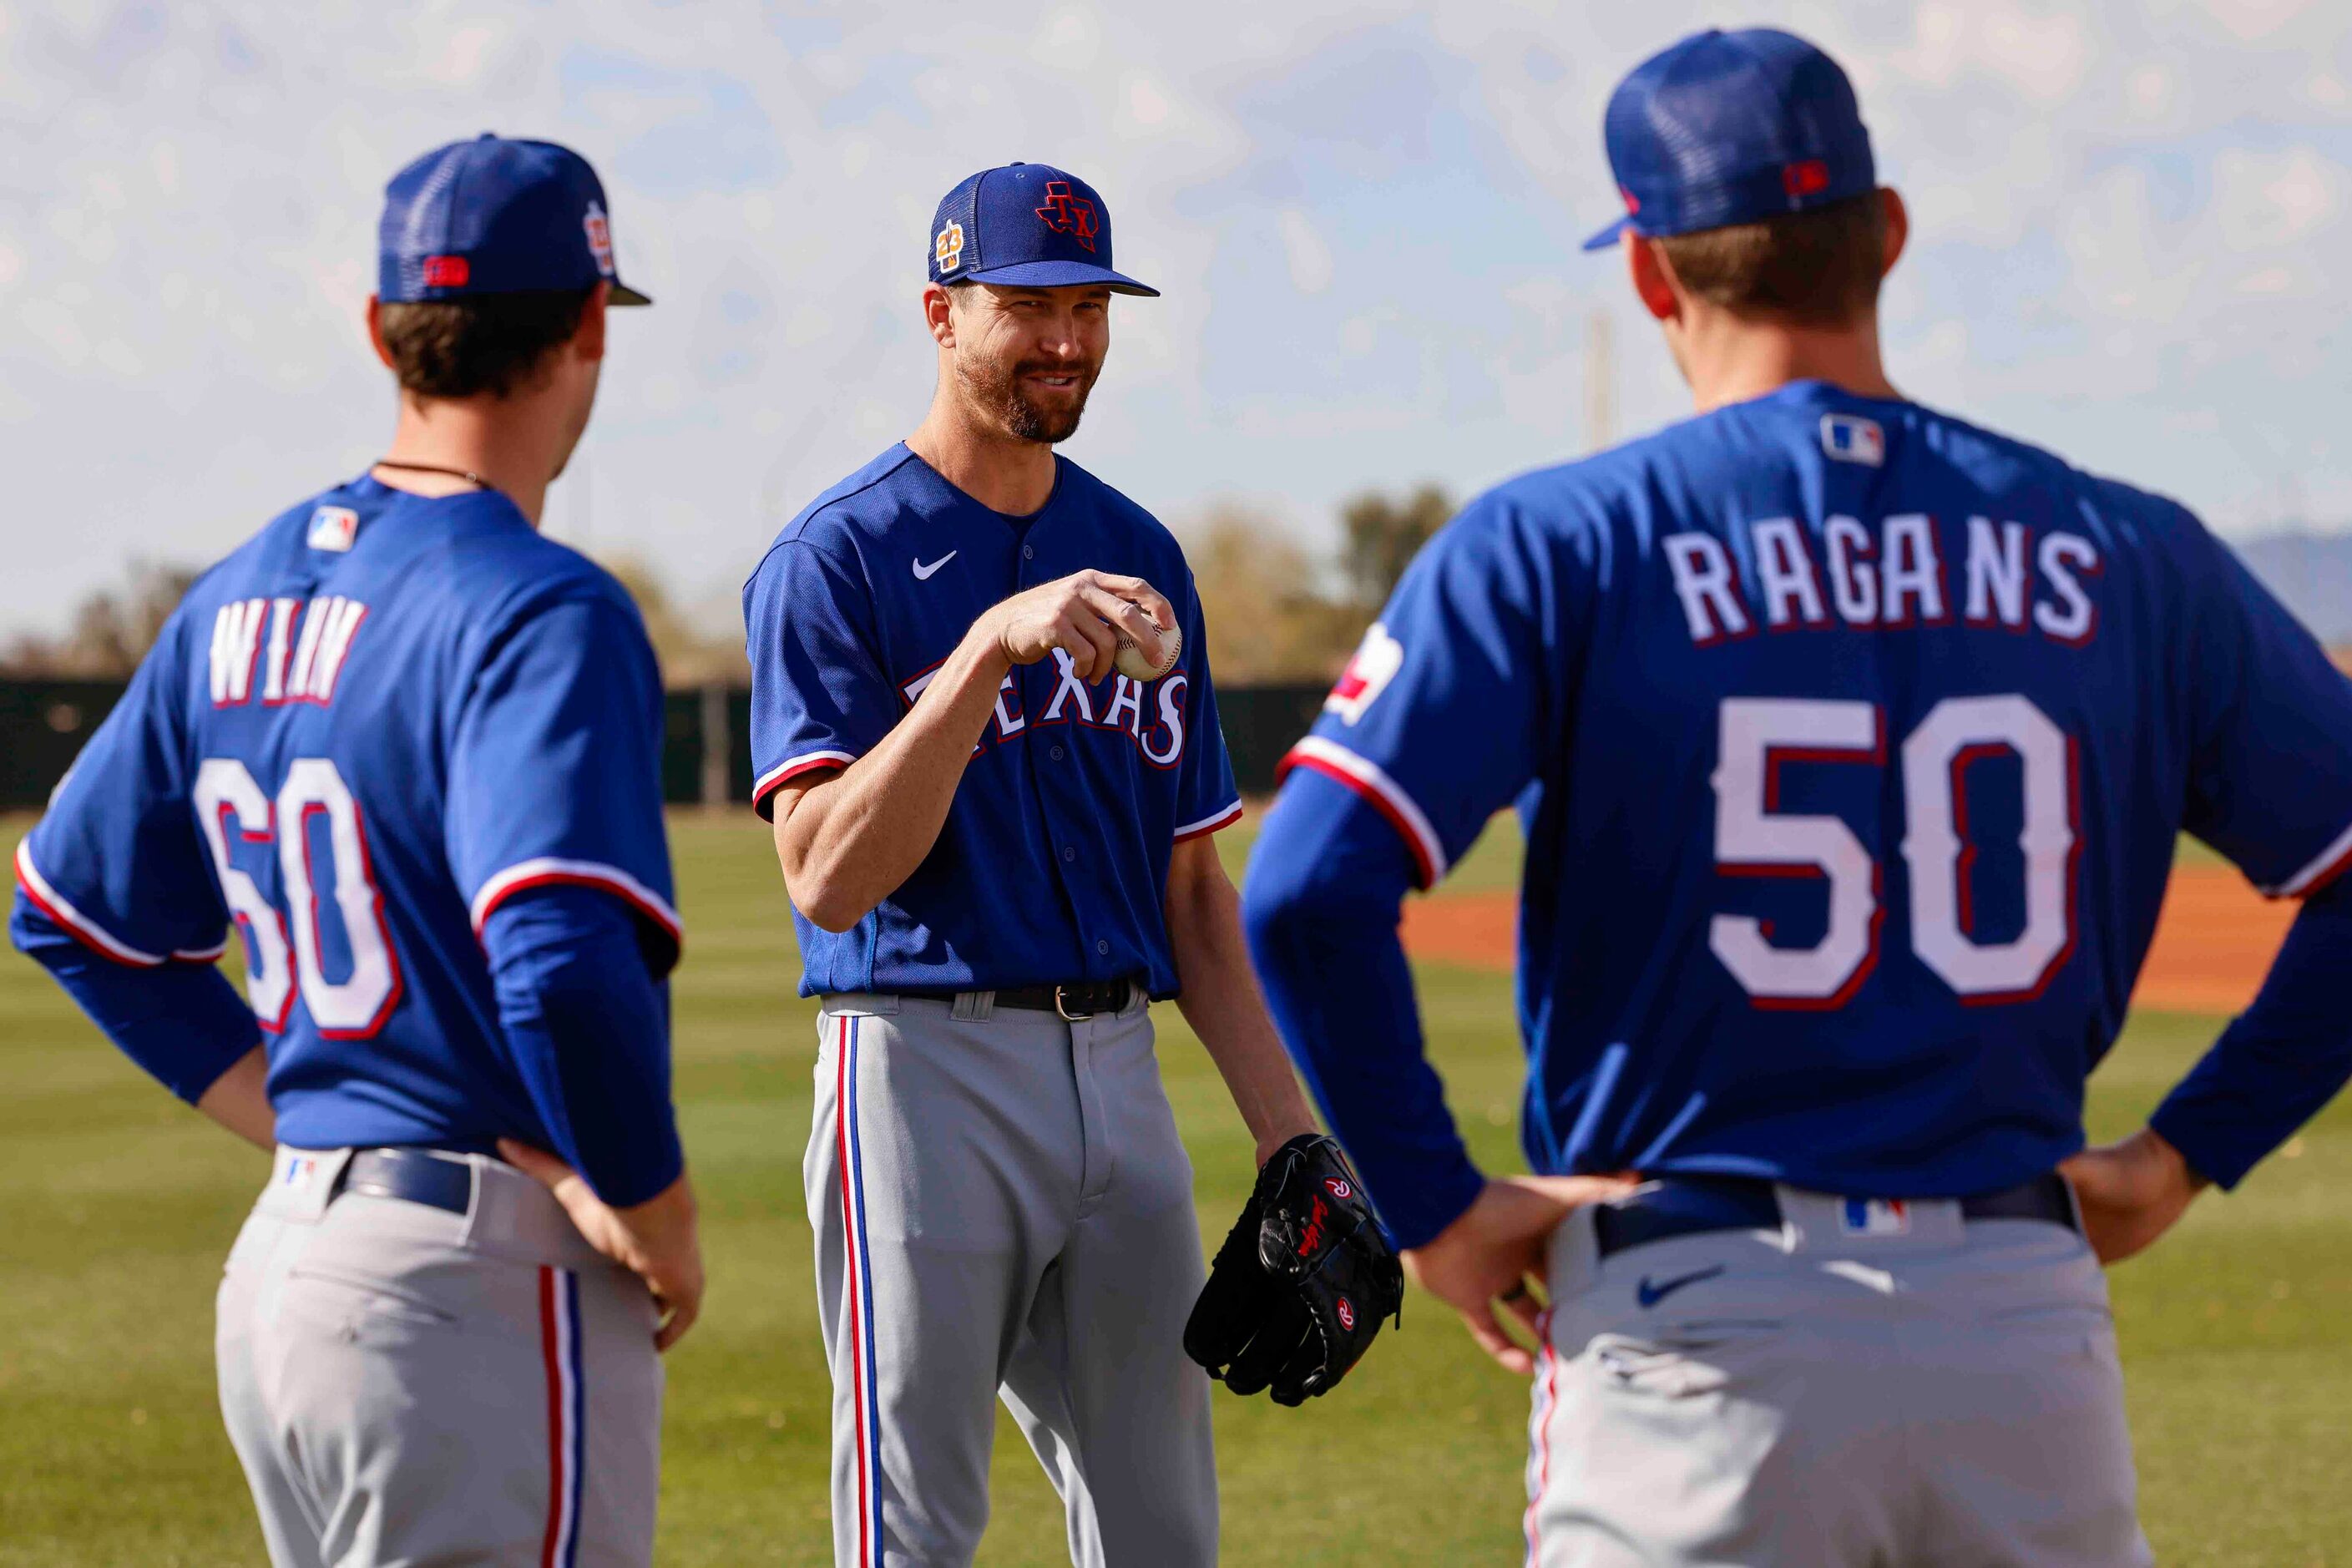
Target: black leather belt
(1083, 1000)
(412, 1174)
(1688, 1206)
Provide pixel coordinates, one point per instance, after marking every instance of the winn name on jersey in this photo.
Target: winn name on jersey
(359, 737)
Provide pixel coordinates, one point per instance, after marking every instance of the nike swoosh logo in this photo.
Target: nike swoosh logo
(1650, 1295)
(923, 572)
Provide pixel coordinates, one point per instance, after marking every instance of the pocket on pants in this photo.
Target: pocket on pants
(1666, 1368)
(1685, 1360)
(359, 1303)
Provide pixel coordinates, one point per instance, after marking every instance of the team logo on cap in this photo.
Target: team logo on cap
(332, 528)
(948, 250)
(1808, 178)
(1065, 213)
(599, 237)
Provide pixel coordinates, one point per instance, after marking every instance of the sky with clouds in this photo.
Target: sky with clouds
(1365, 218)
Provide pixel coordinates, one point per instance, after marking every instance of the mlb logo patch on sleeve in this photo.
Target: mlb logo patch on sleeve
(1878, 1216)
(1851, 438)
(333, 527)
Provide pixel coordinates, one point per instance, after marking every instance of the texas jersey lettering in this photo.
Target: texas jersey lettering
(1863, 721)
(1072, 786)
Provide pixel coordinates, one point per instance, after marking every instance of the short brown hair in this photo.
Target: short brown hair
(492, 342)
(1820, 266)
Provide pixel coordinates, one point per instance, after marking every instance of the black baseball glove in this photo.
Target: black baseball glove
(1302, 1282)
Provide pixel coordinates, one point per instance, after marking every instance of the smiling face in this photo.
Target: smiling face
(1024, 358)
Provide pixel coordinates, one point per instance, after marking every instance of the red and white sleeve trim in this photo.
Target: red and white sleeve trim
(545, 870)
(1210, 823)
(784, 772)
(82, 929)
(2322, 871)
(1384, 794)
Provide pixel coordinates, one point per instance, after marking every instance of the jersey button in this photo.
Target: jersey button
(1028, 553)
(1069, 854)
(1056, 753)
(1101, 946)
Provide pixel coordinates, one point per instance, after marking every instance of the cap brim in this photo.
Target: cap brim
(1062, 274)
(622, 294)
(1612, 234)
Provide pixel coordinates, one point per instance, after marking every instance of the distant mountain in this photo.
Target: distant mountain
(2312, 573)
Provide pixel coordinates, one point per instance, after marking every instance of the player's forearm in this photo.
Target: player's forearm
(1222, 1001)
(239, 1099)
(1320, 911)
(182, 1022)
(2281, 1061)
(847, 844)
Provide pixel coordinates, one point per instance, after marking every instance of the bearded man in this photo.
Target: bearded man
(983, 727)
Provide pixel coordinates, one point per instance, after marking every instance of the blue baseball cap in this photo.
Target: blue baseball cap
(496, 216)
(1028, 225)
(1726, 127)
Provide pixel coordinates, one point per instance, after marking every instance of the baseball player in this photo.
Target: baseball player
(410, 749)
(1852, 743)
(984, 726)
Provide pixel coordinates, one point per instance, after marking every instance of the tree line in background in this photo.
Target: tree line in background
(1277, 613)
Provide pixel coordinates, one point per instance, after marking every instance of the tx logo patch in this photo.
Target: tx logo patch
(599, 237)
(1851, 438)
(333, 527)
(1067, 212)
(948, 250)
(1378, 658)
(1876, 1216)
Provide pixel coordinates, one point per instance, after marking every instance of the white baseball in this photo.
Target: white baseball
(1135, 667)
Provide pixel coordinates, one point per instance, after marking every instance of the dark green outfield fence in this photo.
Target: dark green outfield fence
(706, 740)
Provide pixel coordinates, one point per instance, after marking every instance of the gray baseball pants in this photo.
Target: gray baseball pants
(1004, 1210)
(1863, 1388)
(406, 1386)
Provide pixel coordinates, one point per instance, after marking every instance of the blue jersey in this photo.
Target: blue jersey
(1852, 744)
(357, 738)
(1053, 863)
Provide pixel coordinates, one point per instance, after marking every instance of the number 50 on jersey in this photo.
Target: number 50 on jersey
(1754, 839)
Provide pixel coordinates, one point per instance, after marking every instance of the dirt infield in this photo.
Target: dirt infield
(2213, 941)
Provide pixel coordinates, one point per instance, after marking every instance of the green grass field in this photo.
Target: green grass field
(120, 1204)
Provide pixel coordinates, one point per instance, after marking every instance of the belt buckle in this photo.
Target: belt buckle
(1062, 1008)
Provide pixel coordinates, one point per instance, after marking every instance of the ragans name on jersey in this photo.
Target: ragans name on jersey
(1892, 573)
